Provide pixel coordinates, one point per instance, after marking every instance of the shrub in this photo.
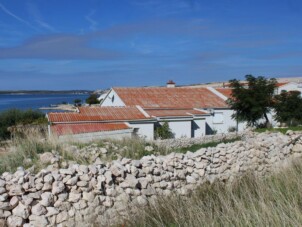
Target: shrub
(92, 99)
(163, 131)
(14, 117)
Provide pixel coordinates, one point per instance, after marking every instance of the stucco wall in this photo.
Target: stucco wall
(199, 128)
(144, 130)
(180, 128)
(112, 99)
(289, 87)
(226, 123)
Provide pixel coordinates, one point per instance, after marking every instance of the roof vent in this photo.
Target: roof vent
(170, 83)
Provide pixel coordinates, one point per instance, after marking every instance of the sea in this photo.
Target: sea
(36, 101)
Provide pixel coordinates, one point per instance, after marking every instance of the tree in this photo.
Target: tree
(253, 102)
(77, 102)
(288, 107)
(92, 99)
(163, 131)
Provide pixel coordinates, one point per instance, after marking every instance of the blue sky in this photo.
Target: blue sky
(94, 44)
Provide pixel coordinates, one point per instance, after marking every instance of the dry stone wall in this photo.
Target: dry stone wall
(79, 194)
(187, 142)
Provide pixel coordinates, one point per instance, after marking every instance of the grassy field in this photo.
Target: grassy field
(282, 130)
(249, 201)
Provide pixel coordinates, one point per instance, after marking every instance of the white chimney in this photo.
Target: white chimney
(170, 83)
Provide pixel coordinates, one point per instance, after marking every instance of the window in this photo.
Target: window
(218, 118)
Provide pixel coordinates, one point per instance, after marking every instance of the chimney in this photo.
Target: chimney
(170, 83)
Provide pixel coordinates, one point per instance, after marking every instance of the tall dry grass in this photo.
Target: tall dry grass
(249, 201)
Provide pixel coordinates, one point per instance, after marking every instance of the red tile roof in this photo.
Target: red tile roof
(98, 114)
(281, 84)
(67, 129)
(173, 112)
(178, 97)
(227, 92)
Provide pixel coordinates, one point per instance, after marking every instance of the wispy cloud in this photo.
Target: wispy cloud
(93, 23)
(5, 10)
(38, 18)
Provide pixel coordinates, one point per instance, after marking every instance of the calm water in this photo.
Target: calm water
(35, 101)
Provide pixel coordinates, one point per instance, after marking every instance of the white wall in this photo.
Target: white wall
(180, 128)
(222, 123)
(144, 130)
(112, 99)
(86, 137)
(199, 127)
(290, 87)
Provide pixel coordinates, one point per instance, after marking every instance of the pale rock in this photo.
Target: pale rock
(190, 180)
(297, 148)
(15, 190)
(63, 216)
(46, 158)
(57, 187)
(38, 210)
(48, 178)
(15, 221)
(72, 181)
(3, 197)
(80, 205)
(2, 190)
(74, 197)
(21, 211)
(36, 220)
(2, 183)
(47, 199)
(14, 201)
(51, 211)
(82, 183)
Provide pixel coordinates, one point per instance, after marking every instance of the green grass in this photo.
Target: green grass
(282, 130)
(249, 201)
(196, 147)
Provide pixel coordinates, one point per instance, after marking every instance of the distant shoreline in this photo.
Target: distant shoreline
(32, 92)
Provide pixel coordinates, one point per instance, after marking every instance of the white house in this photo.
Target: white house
(289, 86)
(217, 115)
(127, 112)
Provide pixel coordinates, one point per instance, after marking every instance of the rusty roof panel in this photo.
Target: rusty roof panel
(173, 112)
(179, 97)
(227, 92)
(69, 129)
(98, 114)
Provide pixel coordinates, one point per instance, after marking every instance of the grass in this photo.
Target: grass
(196, 147)
(249, 201)
(282, 130)
(30, 147)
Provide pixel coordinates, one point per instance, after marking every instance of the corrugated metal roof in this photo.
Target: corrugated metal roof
(98, 114)
(68, 129)
(162, 97)
(227, 92)
(173, 112)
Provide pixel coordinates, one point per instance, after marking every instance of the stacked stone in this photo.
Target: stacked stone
(79, 194)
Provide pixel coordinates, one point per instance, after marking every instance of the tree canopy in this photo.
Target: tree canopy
(252, 101)
(288, 107)
(92, 99)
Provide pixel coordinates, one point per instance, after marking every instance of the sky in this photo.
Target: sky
(97, 44)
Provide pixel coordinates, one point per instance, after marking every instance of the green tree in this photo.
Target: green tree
(77, 102)
(92, 99)
(288, 107)
(252, 102)
(163, 131)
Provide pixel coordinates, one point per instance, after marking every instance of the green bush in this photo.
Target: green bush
(92, 99)
(13, 117)
(163, 131)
